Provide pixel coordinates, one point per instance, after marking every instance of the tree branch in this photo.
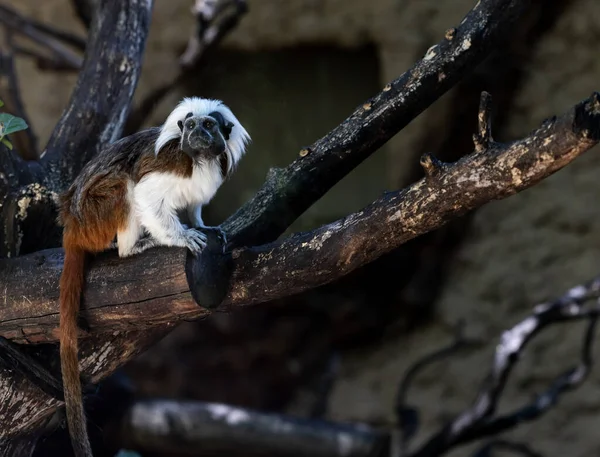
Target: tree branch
(85, 10)
(94, 117)
(43, 62)
(288, 192)
(44, 35)
(215, 18)
(185, 427)
(100, 101)
(407, 415)
(480, 420)
(118, 297)
(516, 448)
(162, 294)
(197, 428)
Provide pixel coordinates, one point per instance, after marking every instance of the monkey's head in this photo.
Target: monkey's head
(204, 136)
(206, 129)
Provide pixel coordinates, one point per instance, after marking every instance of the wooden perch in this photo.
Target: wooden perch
(152, 288)
(196, 428)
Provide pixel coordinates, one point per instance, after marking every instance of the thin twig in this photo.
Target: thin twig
(44, 62)
(216, 18)
(407, 416)
(479, 420)
(512, 446)
(45, 36)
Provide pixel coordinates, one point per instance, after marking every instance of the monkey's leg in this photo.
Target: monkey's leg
(195, 216)
(128, 238)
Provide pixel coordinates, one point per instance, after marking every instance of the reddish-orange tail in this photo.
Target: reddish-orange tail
(71, 288)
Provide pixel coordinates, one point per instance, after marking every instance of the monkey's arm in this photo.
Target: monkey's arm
(158, 216)
(195, 217)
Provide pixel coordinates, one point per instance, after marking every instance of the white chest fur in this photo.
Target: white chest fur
(168, 192)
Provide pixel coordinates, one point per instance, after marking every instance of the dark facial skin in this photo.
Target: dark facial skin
(202, 136)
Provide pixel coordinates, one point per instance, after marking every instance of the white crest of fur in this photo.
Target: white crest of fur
(238, 138)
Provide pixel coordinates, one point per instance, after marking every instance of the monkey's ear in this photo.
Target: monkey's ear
(224, 126)
(227, 129)
(180, 125)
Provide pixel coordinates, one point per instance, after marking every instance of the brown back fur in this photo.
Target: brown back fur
(92, 211)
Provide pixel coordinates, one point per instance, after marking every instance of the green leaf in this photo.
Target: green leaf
(11, 124)
(1, 103)
(6, 143)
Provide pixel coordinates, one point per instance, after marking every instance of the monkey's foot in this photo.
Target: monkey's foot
(220, 233)
(140, 246)
(194, 240)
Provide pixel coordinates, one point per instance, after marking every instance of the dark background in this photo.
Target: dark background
(292, 71)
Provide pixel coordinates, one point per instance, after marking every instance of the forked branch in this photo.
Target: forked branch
(118, 298)
(213, 426)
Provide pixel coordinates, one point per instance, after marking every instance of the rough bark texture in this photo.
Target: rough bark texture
(152, 288)
(328, 160)
(289, 192)
(94, 117)
(102, 96)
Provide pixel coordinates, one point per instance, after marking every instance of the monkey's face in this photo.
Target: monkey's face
(203, 136)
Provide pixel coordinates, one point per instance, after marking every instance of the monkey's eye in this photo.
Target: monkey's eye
(208, 124)
(190, 125)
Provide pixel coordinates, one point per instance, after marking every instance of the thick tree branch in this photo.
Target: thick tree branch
(186, 427)
(197, 428)
(118, 296)
(94, 117)
(288, 192)
(100, 101)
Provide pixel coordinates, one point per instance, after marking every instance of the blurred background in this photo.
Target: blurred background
(291, 71)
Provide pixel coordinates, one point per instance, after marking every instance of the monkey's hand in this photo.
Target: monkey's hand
(194, 240)
(219, 232)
